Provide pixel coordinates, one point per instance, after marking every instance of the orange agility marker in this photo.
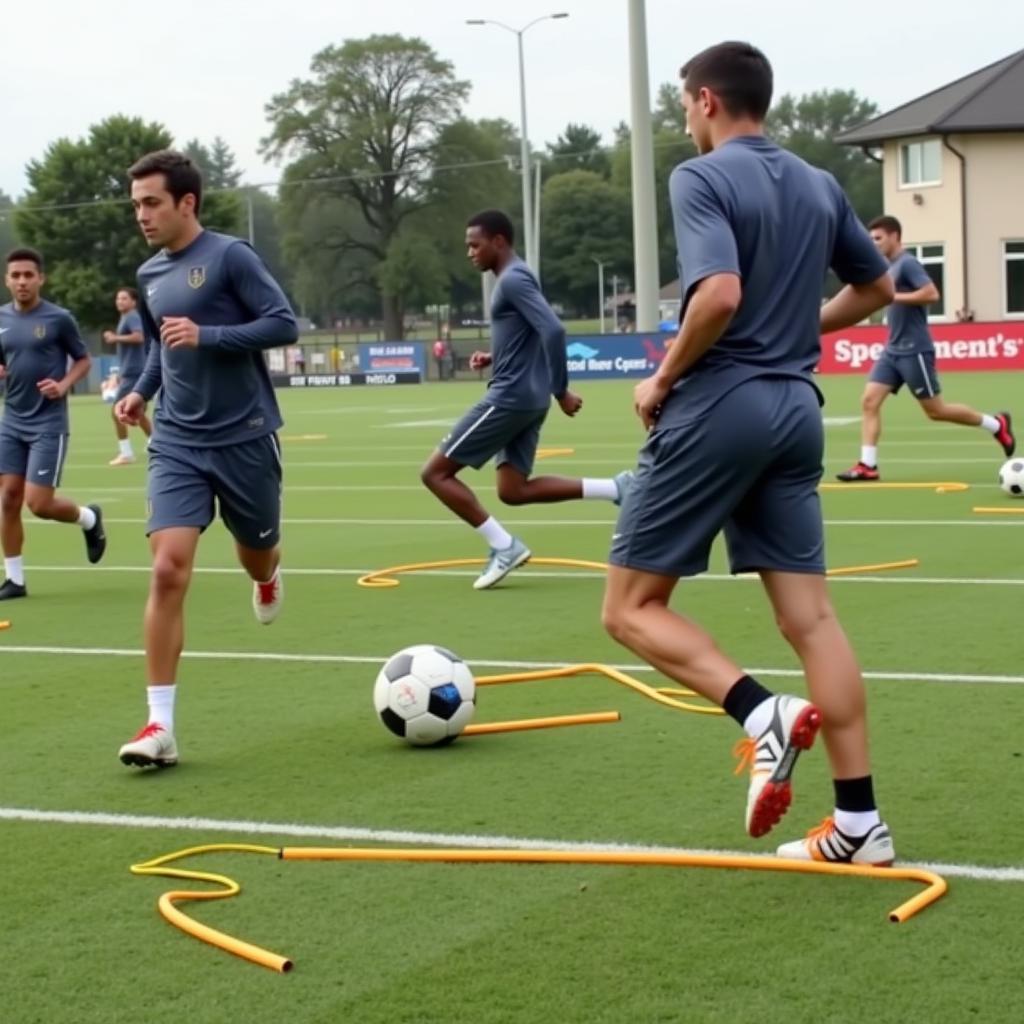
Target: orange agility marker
(555, 722)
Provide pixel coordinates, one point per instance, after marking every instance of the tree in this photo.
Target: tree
(668, 114)
(8, 232)
(585, 218)
(807, 125)
(578, 148)
(223, 209)
(365, 129)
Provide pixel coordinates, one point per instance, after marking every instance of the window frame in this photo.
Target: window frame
(916, 249)
(1008, 258)
(903, 152)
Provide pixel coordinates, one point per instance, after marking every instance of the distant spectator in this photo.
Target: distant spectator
(965, 315)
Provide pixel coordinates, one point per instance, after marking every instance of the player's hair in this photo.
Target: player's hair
(129, 291)
(738, 73)
(493, 223)
(889, 224)
(181, 176)
(25, 253)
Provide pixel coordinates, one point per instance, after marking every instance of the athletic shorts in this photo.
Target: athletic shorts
(486, 431)
(39, 458)
(915, 369)
(749, 466)
(244, 480)
(124, 387)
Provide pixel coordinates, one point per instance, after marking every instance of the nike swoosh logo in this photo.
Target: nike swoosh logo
(4, 330)
(42, 472)
(265, 533)
(616, 536)
(151, 291)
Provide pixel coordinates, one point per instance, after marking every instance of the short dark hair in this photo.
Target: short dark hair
(494, 223)
(129, 291)
(25, 253)
(181, 176)
(890, 225)
(738, 73)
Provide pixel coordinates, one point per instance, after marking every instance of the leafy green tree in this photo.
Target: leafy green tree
(578, 148)
(8, 233)
(365, 129)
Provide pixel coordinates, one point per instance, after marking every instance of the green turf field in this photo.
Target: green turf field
(272, 741)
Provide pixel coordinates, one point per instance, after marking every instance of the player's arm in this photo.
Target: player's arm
(152, 373)
(70, 340)
(923, 290)
(523, 292)
(865, 275)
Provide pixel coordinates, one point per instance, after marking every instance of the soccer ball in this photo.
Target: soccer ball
(1011, 478)
(425, 694)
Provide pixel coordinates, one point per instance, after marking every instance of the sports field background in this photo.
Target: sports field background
(296, 742)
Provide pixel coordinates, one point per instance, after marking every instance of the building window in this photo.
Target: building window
(921, 163)
(1013, 263)
(932, 257)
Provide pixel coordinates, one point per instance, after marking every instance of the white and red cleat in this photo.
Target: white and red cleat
(267, 599)
(153, 746)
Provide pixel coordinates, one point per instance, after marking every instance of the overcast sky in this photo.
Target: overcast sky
(206, 67)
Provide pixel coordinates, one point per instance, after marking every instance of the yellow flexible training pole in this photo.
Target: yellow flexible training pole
(998, 510)
(554, 722)
(550, 453)
(855, 570)
(940, 487)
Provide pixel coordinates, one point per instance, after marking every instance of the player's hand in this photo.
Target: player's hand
(480, 360)
(52, 389)
(130, 409)
(109, 336)
(570, 403)
(647, 398)
(179, 332)
(3, 371)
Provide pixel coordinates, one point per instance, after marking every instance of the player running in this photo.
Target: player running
(131, 359)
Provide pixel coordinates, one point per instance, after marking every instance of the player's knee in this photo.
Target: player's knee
(431, 477)
(39, 503)
(616, 620)
(870, 403)
(798, 628)
(512, 492)
(170, 572)
(934, 411)
(11, 500)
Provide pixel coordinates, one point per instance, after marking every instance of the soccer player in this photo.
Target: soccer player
(42, 357)
(212, 309)
(528, 356)
(131, 358)
(909, 358)
(735, 443)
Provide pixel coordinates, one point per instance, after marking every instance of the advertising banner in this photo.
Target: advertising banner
(393, 356)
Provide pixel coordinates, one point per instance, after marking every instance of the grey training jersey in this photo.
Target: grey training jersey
(908, 325)
(752, 209)
(527, 343)
(37, 345)
(218, 393)
(131, 358)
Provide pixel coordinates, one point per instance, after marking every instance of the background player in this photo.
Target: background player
(214, 308)
(909, 358)
(131, 358)
(528, 356)
(38, 340)
(736, 443)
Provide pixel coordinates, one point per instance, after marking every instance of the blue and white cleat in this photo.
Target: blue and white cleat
(501, 563)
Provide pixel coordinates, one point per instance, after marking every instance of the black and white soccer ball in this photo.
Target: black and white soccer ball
(425, 694)
(1011, 478)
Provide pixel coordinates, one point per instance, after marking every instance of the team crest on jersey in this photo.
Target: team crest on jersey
(39, 331)
(196, 277)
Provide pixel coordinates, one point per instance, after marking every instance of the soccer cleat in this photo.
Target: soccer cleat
(771, 758)
(122, 460)
(152, 747)
(10, 590)
(623, 482)
(267, 599)
(1005, 435)
(95, 539)
(827, 843)
(501, 563)
(861, 471)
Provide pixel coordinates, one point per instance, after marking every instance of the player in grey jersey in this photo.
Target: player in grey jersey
(130, 340)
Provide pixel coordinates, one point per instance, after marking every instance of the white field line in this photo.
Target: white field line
(583, 574)
(362, 659)
(292, 463)
(975, 872)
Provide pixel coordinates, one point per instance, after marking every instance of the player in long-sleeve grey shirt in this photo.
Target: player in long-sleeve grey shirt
(529, 368)
(130, 340)
(41, 358)
(211, 308)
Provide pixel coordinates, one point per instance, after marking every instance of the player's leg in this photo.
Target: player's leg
(45, 466)
(125, 456)
(12, 532)
(884, 380)
(181, 507)
(247, 481)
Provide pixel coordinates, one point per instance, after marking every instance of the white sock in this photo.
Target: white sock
(856, 823)
(14, 570)
(869, 455)
(494, 533)
(86, 517)
(989, 423)
(125, 448)
(603, 489)
(760, 718)
(161, 705)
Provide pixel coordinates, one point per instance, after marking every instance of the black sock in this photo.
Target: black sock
(744, 695)
(856, 795)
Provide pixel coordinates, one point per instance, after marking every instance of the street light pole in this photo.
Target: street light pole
(531, 241)
(600, 289)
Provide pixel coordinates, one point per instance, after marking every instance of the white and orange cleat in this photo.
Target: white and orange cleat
(267, 599)
(827, 844)
(152, 747)
(771, 759)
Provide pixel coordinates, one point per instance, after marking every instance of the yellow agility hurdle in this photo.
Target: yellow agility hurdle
(940, 487)
(159, 866)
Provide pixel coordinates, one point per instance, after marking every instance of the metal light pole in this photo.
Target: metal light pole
(529, 241)
(600, 288)
(645, 230)
(251, 219)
